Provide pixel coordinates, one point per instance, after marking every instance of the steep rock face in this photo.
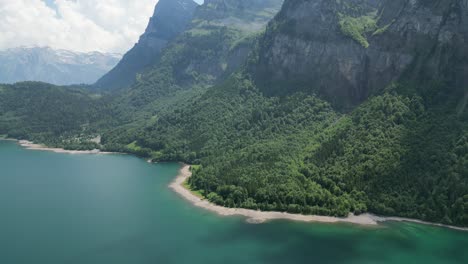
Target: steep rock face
(217, 41)
(60, 67)
(170, 18)
(225, 30)
(347, 50)
(249, 15)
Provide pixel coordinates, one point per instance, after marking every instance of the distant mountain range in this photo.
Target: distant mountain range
(60, 67)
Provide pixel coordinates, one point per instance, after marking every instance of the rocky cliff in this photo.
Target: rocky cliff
(248, 15)
(216, 43)
(347, 50)
(170, 18)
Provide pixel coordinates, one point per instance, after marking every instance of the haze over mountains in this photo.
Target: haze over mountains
(307, 106)
(60, 67)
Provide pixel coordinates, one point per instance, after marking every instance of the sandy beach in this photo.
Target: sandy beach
(31, 146)
(8, 139)
(260, 217)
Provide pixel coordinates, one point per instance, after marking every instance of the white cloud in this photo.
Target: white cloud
(79, 25)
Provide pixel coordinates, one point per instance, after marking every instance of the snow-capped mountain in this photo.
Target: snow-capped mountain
(60, 67)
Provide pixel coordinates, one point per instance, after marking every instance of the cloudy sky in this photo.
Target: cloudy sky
(79, 25)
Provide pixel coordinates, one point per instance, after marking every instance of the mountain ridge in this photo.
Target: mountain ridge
(61, 67)
(170, 18)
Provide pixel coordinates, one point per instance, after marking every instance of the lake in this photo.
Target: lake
(62, 208)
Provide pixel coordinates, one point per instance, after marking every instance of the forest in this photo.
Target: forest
(397, 154)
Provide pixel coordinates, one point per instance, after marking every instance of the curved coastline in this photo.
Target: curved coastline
(31, 146)
(254, 216)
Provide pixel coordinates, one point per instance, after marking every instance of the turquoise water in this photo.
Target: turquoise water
(61, 208)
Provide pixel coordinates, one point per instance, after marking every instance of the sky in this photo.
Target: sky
(77, 25)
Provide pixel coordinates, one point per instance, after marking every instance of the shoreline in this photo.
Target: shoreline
(8, 139)
(253, 216)
(258, 217)
(31, 146)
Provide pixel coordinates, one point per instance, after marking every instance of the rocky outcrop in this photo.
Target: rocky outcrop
(347, 50)
(247, 15)
(216, 43)
(228, 29)
(171, 17)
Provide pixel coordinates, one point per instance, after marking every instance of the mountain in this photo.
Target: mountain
(214, 45)
(170, 18)
(60, 67)
(328, 107)
(363, 112)
(249, 15)
(357, 48)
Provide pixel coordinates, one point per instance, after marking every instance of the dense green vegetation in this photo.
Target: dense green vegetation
(397, 154)
(358, 27)
(50, 114)
(408, 158)
(207, 53)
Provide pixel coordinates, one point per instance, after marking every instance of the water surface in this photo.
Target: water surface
(95, 209)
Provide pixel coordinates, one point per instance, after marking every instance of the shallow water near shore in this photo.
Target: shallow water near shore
(63, 208)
